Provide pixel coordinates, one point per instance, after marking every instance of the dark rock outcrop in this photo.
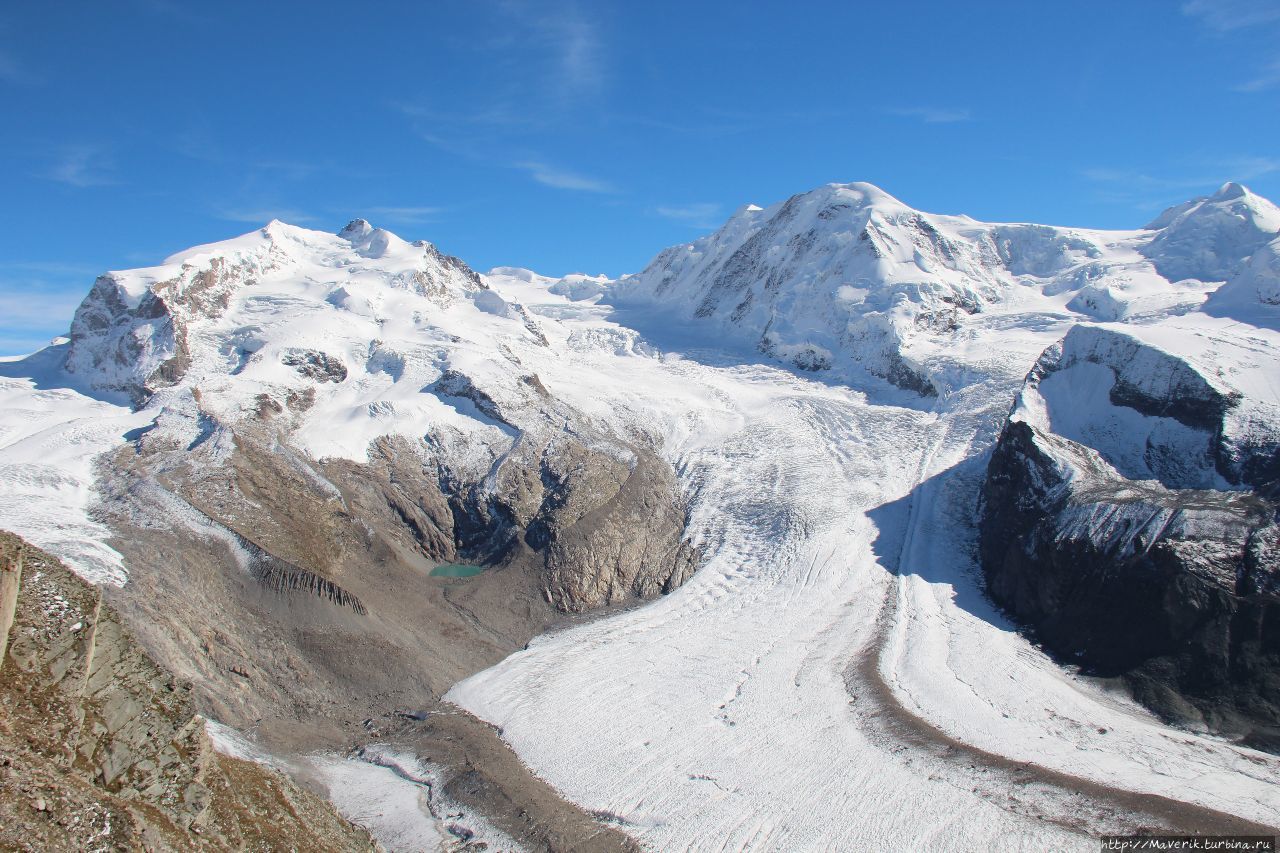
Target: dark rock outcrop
(316, 365)
(1175, 590)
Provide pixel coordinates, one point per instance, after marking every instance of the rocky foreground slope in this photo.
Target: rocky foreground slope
(102, 748)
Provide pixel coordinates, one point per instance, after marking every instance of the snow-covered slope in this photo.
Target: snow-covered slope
(1209, 238)
(143, 330)
(825, 375)
(1253, 294)
(50, 433)
(847, 275)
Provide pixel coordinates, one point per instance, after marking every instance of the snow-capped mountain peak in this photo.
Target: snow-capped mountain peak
(1208, 239)
(211, 310)
(847, 274)
(356, 229)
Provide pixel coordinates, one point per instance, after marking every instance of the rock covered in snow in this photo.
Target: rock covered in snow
(1129, 518)
(846, 275)
(134, 331)
(1210, 238)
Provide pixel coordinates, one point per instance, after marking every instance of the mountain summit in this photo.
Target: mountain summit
(846, 276)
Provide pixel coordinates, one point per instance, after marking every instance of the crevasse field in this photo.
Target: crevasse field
(734, 713)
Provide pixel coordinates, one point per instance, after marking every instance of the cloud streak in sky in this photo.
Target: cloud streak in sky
(1227, 15)
(563, 179)
(1267, 78)
(570, 42)
(1230, 16)
(934, 115)
(1145, 191)
(83, 166)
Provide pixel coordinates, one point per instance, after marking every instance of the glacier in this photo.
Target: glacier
(827, 376)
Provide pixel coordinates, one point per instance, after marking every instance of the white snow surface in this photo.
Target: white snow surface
(50, 435)
(718, 718)
(835, 510)
(396, 797)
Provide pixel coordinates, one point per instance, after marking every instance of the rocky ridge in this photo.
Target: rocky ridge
(1129, 518)
(103, 748)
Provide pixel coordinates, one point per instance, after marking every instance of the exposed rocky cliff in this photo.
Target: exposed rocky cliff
(1130, 519)
(103, 749)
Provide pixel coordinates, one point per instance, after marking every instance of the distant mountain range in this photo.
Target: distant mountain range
(826, 438)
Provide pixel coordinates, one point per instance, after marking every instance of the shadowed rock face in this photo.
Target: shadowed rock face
(102, 748)
(290, 588)
(1173, 589)
(297, 595)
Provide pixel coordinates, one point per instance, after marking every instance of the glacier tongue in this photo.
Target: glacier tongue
(738, 712)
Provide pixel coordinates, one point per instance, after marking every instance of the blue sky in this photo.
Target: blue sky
(586, 136)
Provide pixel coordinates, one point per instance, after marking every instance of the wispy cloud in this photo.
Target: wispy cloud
(492, 116)
(197, 142)
(1267, 78)
(1206, 174)
(33, 309)
(569, 42)
(1143, 190)
(1227, 15)
(263, 215)
(406, 215)
(469, 134)
(51, 268)
(1138, 180)
(1248, 168)
(933, 115)
(544, 62)
(83, 166)
(698, 214)
(563, 179)
(24, 307)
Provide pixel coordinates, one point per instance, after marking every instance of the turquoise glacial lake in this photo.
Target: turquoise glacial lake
(456, 570)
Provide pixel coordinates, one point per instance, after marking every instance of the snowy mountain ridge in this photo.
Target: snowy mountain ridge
(134, 331)
(846, 274)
